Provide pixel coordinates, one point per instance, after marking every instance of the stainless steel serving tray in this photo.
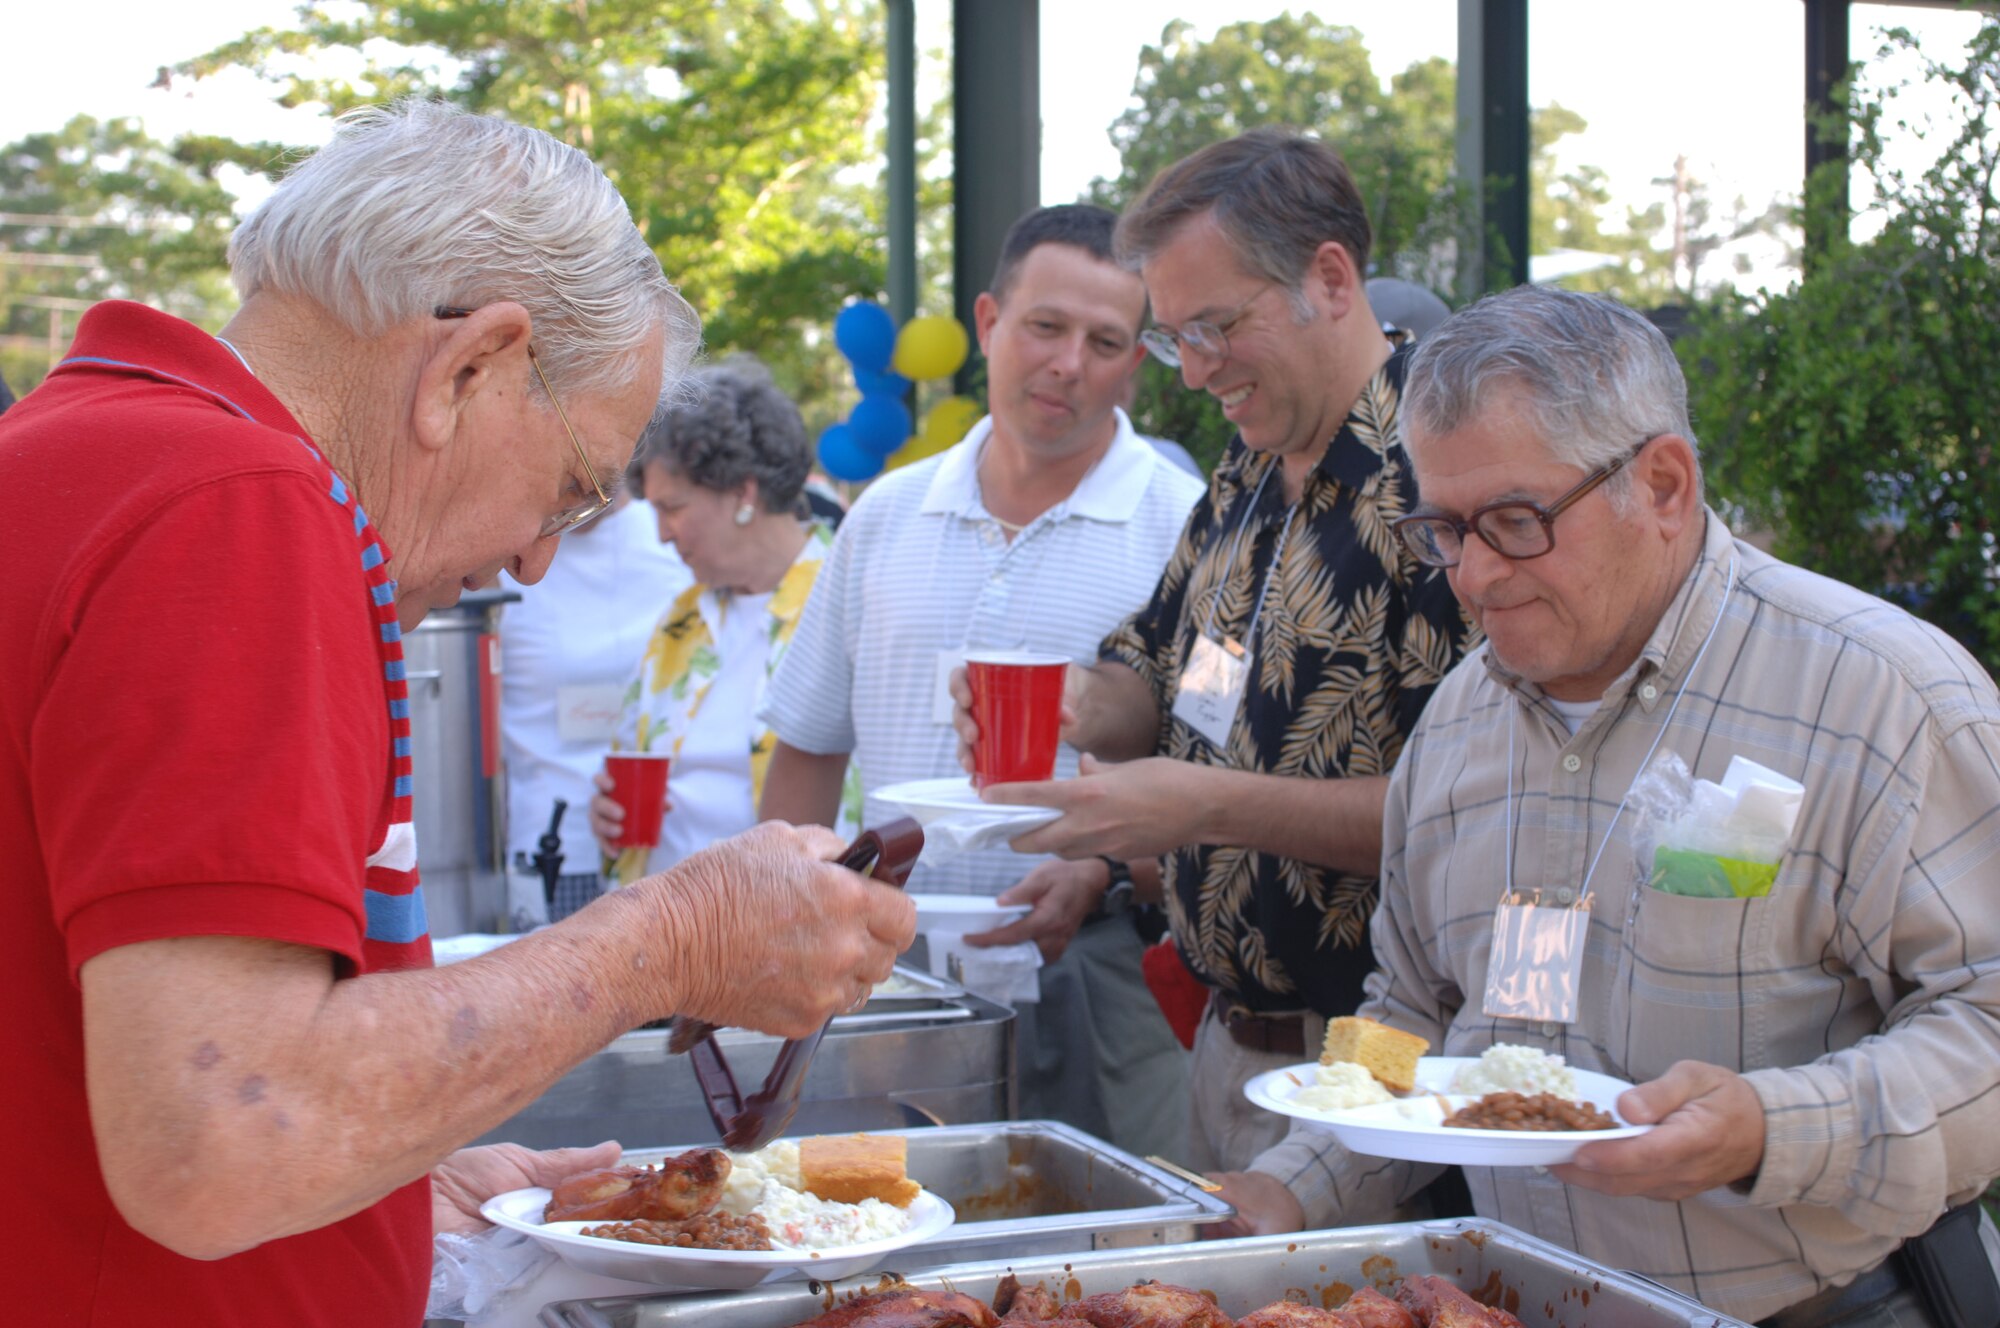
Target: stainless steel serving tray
(915, 987)
(1040, 1187)
(1546, 1287)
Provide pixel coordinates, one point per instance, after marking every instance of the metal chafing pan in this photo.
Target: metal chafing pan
(1540, 1283)
(910, 986)
(1040, 1187)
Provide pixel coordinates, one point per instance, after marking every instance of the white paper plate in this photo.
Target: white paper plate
(1412, 1128)
(715, 1270)
(934, 800)
(959, 914)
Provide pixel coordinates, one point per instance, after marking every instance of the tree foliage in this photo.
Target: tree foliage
(110, 214)
(738, 132)
(1400, 143)
(1854, 416)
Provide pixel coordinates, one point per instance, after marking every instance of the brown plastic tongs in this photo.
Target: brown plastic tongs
(887, 854)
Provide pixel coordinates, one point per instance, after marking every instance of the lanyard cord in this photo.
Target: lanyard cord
(1513, 711)
(1235, 545)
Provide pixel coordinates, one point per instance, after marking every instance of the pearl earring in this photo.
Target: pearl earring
(744, 513)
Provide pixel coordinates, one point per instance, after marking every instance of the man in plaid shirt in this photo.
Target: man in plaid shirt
(1820, 1062)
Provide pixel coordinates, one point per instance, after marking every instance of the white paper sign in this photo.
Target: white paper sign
(588, 712)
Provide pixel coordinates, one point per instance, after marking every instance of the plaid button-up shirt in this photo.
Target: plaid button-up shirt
(1861, 997)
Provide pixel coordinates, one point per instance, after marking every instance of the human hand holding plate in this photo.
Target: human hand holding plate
(1710, 1133)
(1125, 810)
(1061, 895)
(1412, 1127)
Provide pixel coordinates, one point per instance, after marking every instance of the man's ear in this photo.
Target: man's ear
(1669, 482)
(475, 357)
(1333, 276)
(985, 313)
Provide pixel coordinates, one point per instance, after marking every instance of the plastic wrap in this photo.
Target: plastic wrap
(1708, 840)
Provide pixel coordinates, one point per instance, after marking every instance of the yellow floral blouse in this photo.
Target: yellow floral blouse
(680, 665)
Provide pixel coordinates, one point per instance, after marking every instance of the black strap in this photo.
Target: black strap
(1951, 1273)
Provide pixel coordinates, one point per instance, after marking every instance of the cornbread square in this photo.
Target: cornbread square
(847, 1168)
(1387, 1053)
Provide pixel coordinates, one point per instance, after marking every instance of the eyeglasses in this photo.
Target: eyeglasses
(1203, 338)
(1516, 530)
(570, 517)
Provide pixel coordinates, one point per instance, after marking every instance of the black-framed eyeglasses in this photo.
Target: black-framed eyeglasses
(570, 517)
(1200, 336)
(1516, 529)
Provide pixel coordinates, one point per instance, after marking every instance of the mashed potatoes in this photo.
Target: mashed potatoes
(1339, 1086)
(767, 1183)
(1507, 1068)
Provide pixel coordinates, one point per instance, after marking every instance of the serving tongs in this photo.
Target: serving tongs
(887, 854)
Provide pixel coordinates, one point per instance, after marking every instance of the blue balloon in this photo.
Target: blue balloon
(880, 424)
(886, 384)
(866, 335)
(843, 457)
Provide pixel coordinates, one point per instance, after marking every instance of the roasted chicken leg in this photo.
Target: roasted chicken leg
(1148, 1305)
(907, 1307)
(680, 1187)
(1371, 1309)
(1439, 1304)
(1015, 1303)
(1291, 1314)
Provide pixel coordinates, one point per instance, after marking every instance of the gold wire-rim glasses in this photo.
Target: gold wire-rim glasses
(570, 517)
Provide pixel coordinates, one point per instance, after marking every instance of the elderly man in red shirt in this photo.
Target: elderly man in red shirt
(230, 1066)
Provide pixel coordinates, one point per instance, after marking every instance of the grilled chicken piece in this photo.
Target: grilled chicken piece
(907, 1307)
(1148, 1305)
(1291, 1314)
(1439, 1304)
(680, 1187)
(1371, 1309)
(1015, 1303)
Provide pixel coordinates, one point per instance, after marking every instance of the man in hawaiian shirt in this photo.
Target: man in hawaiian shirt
(1255, 705)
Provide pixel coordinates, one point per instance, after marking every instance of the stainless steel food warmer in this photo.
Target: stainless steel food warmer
(1545, 1286)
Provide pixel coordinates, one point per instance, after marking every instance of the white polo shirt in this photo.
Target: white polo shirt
(920, 568)
(567, 650)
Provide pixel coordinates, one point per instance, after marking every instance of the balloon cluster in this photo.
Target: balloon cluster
(886, 361)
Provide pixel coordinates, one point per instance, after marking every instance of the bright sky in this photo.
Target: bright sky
(1720, 80)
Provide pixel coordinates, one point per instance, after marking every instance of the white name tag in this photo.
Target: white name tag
(588, 712)
(1211, 690)
(941, 703)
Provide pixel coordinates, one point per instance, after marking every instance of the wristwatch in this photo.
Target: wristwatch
(1117, 897)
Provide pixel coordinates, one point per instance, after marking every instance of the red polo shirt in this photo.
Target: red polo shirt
(196, 739)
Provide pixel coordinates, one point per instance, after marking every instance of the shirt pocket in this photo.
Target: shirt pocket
(1691, 983)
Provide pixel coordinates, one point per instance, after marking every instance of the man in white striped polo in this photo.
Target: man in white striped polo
(1043, 529)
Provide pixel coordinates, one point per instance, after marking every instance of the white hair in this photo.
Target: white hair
(419, 205)
(1596, 378)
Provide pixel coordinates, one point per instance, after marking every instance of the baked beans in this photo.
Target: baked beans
(1517, 1111)
(707, 1231)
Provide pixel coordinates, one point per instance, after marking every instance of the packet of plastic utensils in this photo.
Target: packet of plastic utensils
(1716, 841)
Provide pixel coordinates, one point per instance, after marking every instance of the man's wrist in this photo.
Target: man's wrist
(1115, 897)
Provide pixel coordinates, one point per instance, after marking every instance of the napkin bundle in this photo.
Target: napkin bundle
(1719, 841)
(1010, 974)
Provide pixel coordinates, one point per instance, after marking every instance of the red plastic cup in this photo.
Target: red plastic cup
(639, 785)
(1017, 703)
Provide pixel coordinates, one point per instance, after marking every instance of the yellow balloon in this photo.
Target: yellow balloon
(950, 419)
(931, 347)
(918, 448)
(944, 424)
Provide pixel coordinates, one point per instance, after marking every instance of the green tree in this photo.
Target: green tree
(1400, 143)
(98, 210)
(1854, 415)
(739, 132)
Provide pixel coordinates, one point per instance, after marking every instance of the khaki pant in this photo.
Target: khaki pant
(1226, 1131)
